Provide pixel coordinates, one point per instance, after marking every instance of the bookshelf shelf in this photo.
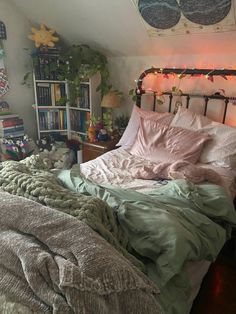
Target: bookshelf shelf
(50, 81)
(54, 112)
(51, 107)
(78, 108)
(52, 131)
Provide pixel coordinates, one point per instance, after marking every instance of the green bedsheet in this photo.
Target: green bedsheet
(167, 227)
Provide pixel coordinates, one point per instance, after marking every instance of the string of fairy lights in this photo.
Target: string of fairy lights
(181, 73)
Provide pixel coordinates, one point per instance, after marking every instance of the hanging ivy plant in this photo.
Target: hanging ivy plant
(77, 64)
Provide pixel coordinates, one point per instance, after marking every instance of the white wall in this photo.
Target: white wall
(20, 98)
(124, 71)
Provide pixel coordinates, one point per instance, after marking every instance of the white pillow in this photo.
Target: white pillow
(221, 150)
(132, 128)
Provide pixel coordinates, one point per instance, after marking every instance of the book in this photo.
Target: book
(44, 94)
(12, 128)
(13, 134)
(10, 122)
(7, 116)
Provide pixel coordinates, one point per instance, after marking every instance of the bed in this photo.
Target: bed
(133, 231)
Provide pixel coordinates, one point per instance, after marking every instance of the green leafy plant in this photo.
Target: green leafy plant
(93, 120)
(79, 63)
(76, 64)
(107, 122)
(121, 121)
(133, 95)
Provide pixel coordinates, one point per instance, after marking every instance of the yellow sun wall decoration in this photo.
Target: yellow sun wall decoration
(43, 36)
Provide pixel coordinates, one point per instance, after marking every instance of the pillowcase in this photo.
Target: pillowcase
(132, 128)
(161, 143)
(221, 150)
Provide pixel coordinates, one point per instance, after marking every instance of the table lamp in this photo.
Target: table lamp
(109, 101)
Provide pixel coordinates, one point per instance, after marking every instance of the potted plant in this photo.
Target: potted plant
(121, 123)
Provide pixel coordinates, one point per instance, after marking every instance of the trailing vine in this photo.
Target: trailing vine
(77, 64)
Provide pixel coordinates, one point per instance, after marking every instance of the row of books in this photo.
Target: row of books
(11, 126)
(83, 101)
(52, 119)
(46, 66)
(78, 120)
(51, 94)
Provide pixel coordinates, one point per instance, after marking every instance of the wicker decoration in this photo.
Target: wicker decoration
(4, 86)
(3, 32)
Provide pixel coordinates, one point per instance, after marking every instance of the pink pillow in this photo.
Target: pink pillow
(160, 143)
(221, 150)
(132, 128)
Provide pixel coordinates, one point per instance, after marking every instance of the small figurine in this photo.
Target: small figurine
(102, 135)
(92, 133)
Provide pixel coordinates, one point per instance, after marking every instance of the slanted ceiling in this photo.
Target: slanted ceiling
(115, 27)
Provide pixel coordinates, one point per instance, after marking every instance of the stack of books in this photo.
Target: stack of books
(10, 124)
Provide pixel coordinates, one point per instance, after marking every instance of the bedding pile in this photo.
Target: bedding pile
(168, 227)
(52, 262)
(28, 178)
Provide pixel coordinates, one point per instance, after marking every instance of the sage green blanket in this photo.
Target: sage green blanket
(31, 179)
(168, 227)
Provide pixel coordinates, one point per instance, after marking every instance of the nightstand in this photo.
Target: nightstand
(93, 150)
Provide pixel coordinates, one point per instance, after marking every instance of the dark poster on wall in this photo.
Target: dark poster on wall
(172, 17)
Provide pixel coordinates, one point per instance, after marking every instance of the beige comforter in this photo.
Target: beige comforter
(52, 262)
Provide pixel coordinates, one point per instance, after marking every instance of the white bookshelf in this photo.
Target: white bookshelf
(69, 119)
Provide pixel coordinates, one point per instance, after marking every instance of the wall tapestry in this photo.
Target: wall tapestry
(178, 17)
(4, 86)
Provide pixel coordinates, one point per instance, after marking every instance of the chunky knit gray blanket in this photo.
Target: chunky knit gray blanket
(53, 262)
(31, 179)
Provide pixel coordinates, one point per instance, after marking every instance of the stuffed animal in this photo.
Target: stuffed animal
(45, 144)
(63, 158)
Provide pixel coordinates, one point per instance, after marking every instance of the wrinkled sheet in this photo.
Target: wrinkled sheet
(170, 226)
(121, 169)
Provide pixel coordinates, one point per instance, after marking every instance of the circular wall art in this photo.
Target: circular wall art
(160, 14)
(205, 12)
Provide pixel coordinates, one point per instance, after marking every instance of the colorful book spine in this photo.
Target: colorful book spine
(10, 122)
(13, 134)
(50, 94)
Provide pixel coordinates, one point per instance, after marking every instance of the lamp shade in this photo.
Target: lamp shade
(110, 100)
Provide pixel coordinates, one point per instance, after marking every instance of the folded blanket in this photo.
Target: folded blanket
(51, 261)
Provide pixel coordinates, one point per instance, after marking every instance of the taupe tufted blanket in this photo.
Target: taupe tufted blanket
(31, 179)
(51, 261)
